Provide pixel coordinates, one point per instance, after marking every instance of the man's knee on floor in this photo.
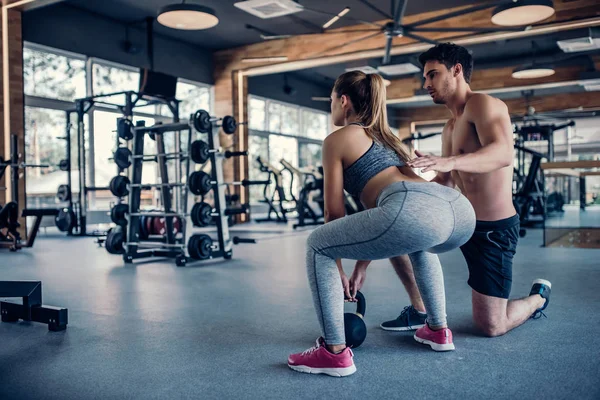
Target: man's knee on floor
(491, 328)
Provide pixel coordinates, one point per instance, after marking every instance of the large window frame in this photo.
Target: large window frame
(301, 139)
(65, 105)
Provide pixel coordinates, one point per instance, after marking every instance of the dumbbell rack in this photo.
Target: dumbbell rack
(135, 245)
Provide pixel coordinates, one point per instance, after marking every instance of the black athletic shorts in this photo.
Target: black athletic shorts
(489, 254)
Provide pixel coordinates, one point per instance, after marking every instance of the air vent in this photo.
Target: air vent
(579, 44)
(399, 69)
(266, 9)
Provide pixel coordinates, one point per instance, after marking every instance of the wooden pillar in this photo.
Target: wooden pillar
(231, 98)
(13, 109)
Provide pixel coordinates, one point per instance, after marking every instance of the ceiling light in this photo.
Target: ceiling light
(264, 59)
(336, 18)
(187, 16)
(531, 72)
(367, 69)
(522, 12)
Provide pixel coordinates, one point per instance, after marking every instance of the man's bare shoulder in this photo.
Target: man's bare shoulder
(480, 104)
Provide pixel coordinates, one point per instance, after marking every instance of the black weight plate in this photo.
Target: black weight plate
(118, 214)
(200, 247)
(202, 121)
(63, 193)
(199, 183)
(121, 157)
(200, 153)
(63, 165)
(114, 241)
(65, 220)
(229, 125)
(124, 128)
(201, 214)
(119, 186)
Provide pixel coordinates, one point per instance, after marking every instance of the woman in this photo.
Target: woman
(404, 214)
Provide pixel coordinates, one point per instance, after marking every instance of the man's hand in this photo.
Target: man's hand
(432, 163)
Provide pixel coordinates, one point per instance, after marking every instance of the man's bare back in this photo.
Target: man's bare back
(490, 193)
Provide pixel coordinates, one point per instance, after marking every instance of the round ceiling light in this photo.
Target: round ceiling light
(187, 17)
(522, 12)
(532, 72)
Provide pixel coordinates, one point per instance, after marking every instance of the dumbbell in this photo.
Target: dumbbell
(122, 157)
(202, 213)
(200, 152)
(200, 183)
(200, 246)
(203, 122)
(125, 128)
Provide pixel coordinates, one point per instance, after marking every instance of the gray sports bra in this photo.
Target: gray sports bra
(372, 162)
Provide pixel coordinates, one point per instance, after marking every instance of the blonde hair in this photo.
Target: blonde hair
(368, 95)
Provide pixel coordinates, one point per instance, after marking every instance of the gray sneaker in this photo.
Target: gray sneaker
(408, 320)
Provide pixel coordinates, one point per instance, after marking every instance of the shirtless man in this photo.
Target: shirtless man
(477, 156)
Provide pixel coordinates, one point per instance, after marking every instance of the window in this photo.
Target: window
(310, 155)
(285, 131)
(256, 114)
(258, 146)
(52, 75)
(315, 124)
(193, 98)
(109, 79)
(43, 127)
(286, 148)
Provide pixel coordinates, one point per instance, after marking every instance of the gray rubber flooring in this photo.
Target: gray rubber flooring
(224, 329)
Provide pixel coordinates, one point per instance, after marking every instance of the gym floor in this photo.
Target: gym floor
(223, 329)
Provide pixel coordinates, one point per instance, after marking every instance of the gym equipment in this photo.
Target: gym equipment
(119, 186)
(201, 183)
(20, 165)
(354, 325)
(118, 214)
(203, 214)
(65, 219)
(63, 193)
(200, 152)
(122, 157)
(125, 128)
(203, 122)
(200, 247)
(270, 199)
(114, 241)
(126, 102)
(63, 165)
(31, 308)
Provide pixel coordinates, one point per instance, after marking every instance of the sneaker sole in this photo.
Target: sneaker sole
(402, 328)
(543, 282)
(336, 372)
(436, 346)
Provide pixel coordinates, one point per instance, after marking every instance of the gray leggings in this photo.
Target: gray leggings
(411, 218)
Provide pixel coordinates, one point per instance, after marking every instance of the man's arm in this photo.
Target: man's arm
(494, 130)
(445, 178)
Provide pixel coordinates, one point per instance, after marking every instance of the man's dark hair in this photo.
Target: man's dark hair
(450, 54)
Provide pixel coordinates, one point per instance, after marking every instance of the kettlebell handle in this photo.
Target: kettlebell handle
(361, 304)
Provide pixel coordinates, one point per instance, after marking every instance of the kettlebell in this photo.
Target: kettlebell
(354, 326)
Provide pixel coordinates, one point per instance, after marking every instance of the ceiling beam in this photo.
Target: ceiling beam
(516, 107)
(404, 90)
(309, 51)
(26, 5)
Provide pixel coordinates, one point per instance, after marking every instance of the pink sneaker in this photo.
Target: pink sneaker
(319, 360)
(438, 340)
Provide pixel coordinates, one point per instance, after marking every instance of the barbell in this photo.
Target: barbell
(122, 157)
(201, 183)
(203, 213)
(200, 152)
(203, 122)
(21, 164)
